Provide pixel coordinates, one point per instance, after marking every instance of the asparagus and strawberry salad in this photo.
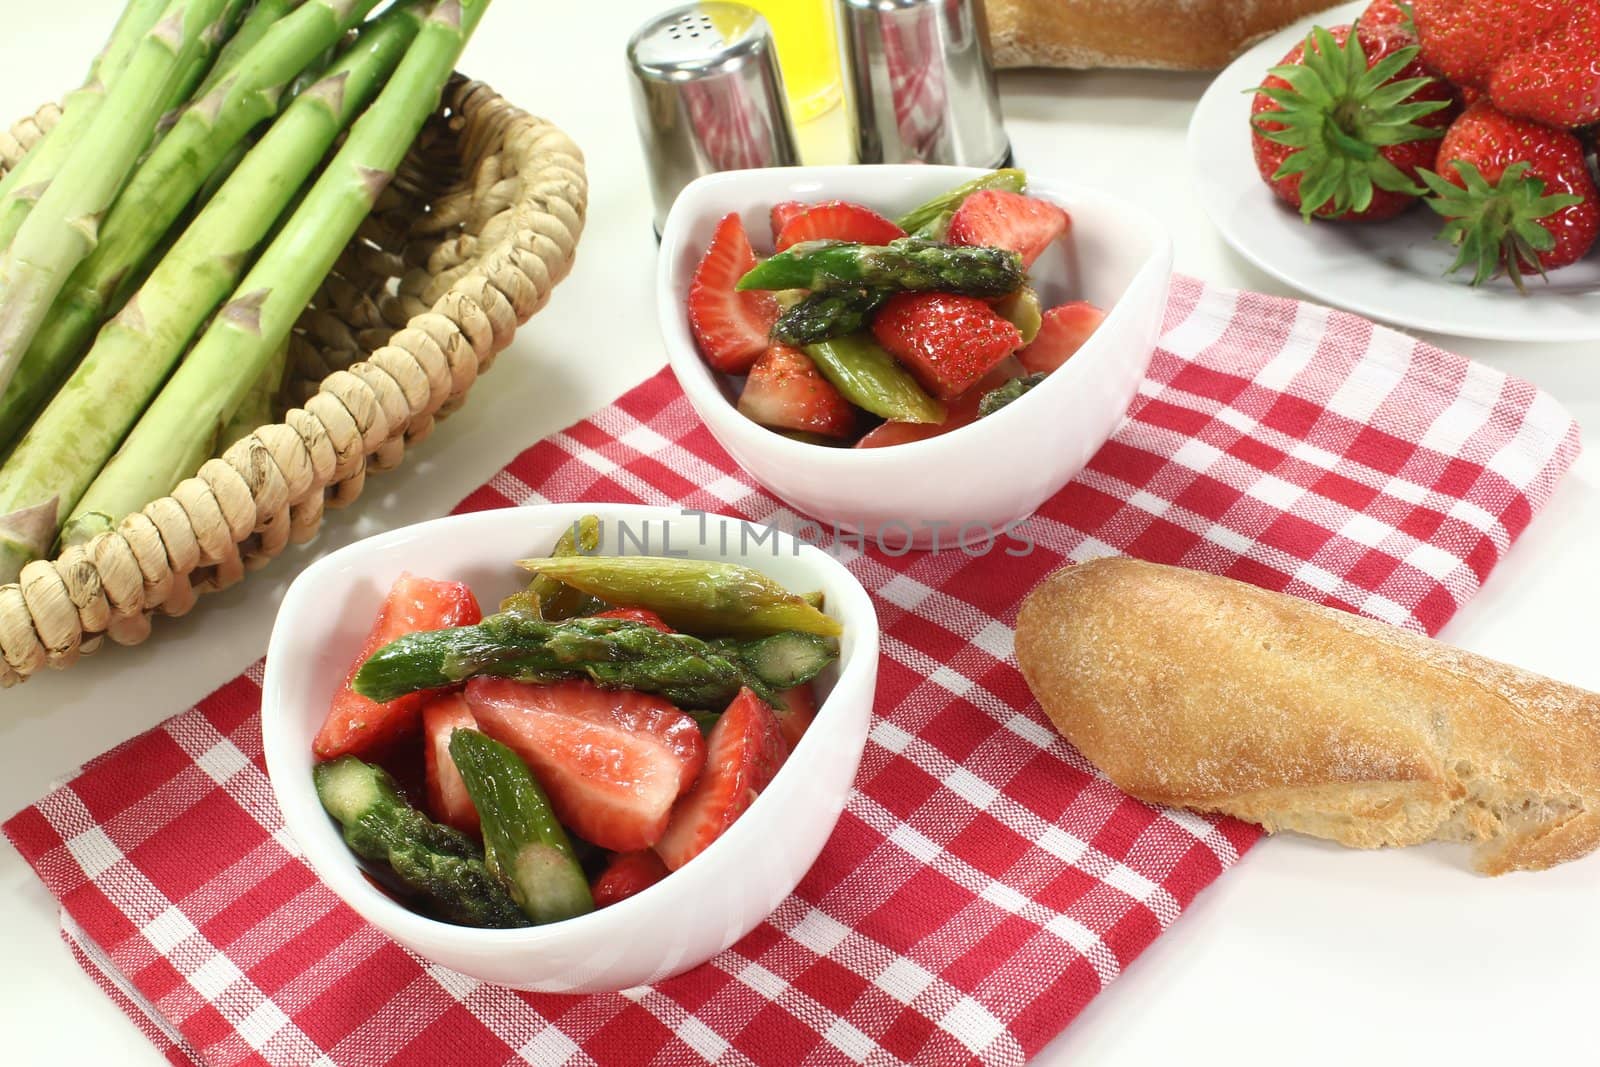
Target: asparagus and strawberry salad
(159, 243)
(598, 732)
(866, 331)
(1478, 108)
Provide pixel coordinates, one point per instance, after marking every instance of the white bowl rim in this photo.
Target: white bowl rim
(347, 881)
(976, 434)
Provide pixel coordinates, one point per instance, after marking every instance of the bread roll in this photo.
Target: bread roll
(1173, 34)
(1201, 692)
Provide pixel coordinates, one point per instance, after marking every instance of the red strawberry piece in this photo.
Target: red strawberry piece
(357, 725)
(947, 341)
(798, 711)
(1536, 59)
(744, 751)
(1062, 333)
(627, 873)
(1350, 154)
(782, 212)
(448, 800)
(644, 615)
(1517, 193)
(837, 220)
(997, 218)
(613, 761)
(730, 328)
(786, 391)
(962, 411)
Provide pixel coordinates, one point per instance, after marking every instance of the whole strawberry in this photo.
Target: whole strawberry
(1518, 195)
(1536, 59)
(1341, 127)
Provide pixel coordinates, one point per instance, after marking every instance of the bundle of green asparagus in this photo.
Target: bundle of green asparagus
(159, 244)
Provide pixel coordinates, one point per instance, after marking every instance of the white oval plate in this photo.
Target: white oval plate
(1394, 271)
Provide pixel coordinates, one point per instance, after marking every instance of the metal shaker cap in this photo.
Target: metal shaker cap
(707, 96)
(921, 82)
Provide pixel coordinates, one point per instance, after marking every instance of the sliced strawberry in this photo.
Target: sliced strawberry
(627, 873)
(996, 218)
(785, 391)
(730, 328)
(613, 761)
(1062, 333)
(356, 725)
(947, 341)
(744, 751)
(796, 715)
(644, 615)
(782, 212)
(962, 411)
(838, 220)
(448, 800)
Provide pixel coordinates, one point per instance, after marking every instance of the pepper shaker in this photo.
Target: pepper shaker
(920, 82)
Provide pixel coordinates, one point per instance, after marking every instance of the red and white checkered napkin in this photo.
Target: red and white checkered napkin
(983, 883)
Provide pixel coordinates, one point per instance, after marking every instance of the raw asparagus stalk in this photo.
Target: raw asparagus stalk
(263, 15)
(691, 594)
(179, 430)
(615, 653)
(441, 865)
(24, 182)
(257, 409)
(553, 600)
(60, 231)
(196, 147)
(999, 397)
(907, 264)
(522, 841)
(930, 219)
(89, 416)
(832, 313)
(873, 380)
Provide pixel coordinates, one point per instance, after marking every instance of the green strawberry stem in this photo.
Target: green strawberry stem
(1496, 227)
(1338, 113)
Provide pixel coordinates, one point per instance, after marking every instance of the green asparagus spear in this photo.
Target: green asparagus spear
(164, 184)
(871, 379)
(999, 397)
(89, 415)
(615, 653)
(1023, 310)
(784, 660)
(930, 219)
(553, 600)
(179, 429)
(59, 232)
(441, 865)
(262, 16)
(522, 840)
(24, 182)
(690, 594)
(907, 264)
(828, 314)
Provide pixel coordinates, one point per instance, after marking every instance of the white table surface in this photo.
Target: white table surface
(1305, 954)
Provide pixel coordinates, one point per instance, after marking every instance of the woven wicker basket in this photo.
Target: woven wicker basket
(479, 225)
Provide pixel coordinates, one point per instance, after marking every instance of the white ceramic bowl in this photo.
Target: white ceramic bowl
(712, 901)
(989, 473)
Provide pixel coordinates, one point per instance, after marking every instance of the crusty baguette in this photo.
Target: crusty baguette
(1196, 691)
(1173, 34)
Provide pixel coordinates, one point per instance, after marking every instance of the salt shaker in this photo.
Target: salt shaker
(920, 82)
(708, 96)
